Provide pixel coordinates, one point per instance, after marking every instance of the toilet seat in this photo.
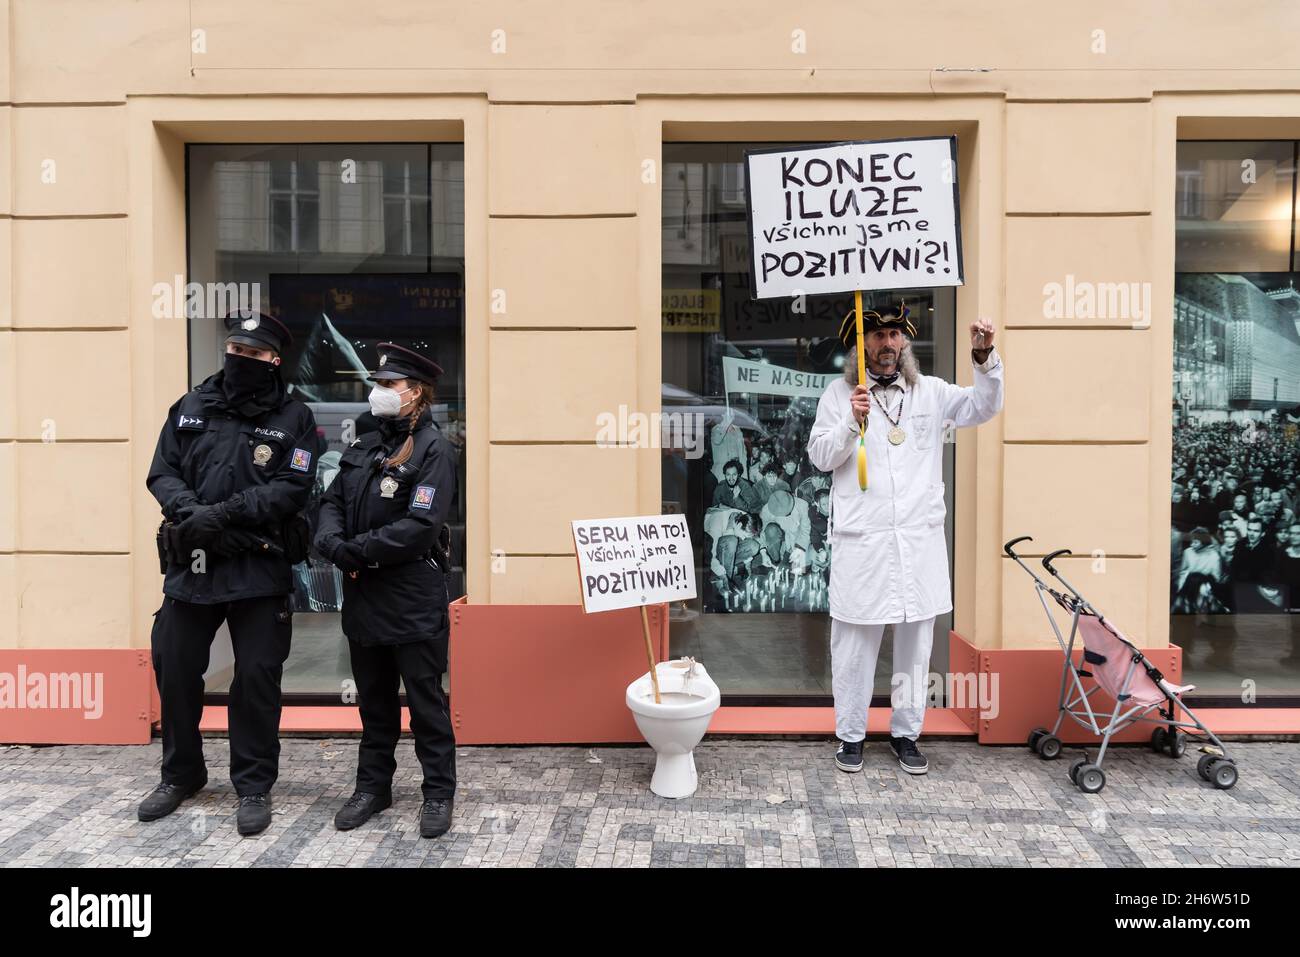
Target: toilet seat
(673, 681)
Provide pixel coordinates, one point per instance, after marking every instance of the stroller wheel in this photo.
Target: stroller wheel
(1049, 747)
(1090, 779)
(1074, 770)
(1205, 766)
(1225, 774)
(1158, 740)
(1034, 737)
(1175, 744)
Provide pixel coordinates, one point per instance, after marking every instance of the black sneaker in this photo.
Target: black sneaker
(360, 808)
(166, 798)
(435, 817)
(254, 814)
(849, 756)
(910, 758)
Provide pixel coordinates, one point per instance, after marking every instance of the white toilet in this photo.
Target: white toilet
(688, 698)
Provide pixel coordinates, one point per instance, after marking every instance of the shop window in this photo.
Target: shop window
(1234, 206)
(1234, 587)
(349, 245)
(734, 460)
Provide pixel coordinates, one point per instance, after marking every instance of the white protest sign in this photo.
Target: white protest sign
(843, 216)
(631, 562)
(765, 378)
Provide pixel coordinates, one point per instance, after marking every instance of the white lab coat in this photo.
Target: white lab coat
(889, 559)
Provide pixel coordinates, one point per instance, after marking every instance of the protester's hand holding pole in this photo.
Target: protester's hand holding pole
(862, 387)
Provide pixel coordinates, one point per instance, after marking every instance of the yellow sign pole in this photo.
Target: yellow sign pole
(862, 380)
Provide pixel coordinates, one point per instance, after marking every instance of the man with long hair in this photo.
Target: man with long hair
(889, 560)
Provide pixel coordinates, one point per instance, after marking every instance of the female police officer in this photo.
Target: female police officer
(379, 523)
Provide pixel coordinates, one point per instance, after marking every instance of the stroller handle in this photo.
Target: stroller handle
(1010, 547)
(1047, 559)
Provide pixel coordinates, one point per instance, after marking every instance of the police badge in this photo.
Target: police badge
(387, 487)
(261, 455)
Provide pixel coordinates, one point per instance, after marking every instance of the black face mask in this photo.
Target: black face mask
(395, 429)
(248, 381)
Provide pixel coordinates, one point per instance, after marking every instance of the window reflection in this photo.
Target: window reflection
(349, 245)
(1234, 206)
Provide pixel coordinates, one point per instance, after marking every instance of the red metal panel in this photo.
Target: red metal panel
(1027, 684)
(75, 696)
(963, 661)
(546, 674)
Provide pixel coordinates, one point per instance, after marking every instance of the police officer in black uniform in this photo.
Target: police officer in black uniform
(232, 471)
(380, 523)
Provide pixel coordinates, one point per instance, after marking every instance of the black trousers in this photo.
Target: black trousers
(260, 631)
(377, 670)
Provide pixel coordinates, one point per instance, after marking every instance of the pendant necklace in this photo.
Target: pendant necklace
(895, 434)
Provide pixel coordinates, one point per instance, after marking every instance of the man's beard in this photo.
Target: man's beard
(886, 360)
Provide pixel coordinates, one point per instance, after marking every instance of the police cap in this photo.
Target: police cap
(399, 362)
(258, 330)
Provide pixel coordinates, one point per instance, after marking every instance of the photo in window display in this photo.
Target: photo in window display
(1235, 535)
(768, 509)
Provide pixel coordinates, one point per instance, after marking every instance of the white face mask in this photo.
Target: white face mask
(386, 403)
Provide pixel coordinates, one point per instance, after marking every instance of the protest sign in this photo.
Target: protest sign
(864, 215)
(634, 562)
(766, 378)
(631, 562)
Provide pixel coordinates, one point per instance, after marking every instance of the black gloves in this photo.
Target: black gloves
(347, 556)
(202, 525)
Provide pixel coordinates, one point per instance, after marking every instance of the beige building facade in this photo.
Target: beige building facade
(1068, 121)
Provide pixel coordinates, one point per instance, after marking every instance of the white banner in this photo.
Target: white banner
(629, 562)
(764, 378)
(865, 215)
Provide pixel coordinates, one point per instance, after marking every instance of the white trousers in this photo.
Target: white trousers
(854, 649)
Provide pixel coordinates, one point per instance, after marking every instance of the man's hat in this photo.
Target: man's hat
(258, 330)
(780, 504)
(398, 362)
(889, 317)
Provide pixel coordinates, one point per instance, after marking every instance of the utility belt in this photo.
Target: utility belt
(289, 542)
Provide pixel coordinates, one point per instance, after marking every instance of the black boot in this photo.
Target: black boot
(166, 798)
(254, 814)
(435, 817)
(360, 808)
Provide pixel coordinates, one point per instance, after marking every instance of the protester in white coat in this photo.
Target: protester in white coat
(889, 559)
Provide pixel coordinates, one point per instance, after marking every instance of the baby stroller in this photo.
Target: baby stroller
(1121, 670)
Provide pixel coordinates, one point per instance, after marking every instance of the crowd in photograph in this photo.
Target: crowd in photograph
(766, 518)
(1235, 536)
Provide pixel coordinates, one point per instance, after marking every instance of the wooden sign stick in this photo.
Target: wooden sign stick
(862, 380)
(650, 653)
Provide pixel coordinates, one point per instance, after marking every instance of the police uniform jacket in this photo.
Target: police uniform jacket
(392, 514)
(264, 464)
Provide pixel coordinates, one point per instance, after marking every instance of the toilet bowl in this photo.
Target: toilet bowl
(674, 726)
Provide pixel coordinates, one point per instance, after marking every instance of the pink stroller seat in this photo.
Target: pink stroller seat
(1111, 655)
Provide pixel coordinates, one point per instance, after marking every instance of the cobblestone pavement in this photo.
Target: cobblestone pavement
(760, 804)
